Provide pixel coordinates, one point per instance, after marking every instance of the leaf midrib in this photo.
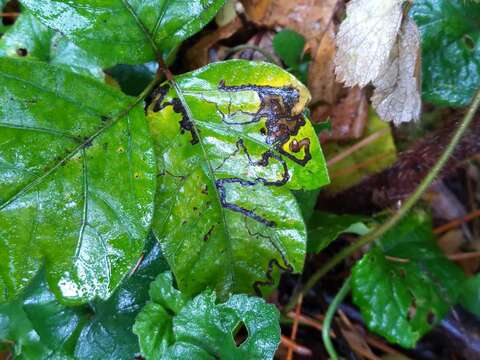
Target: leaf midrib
(211, 176)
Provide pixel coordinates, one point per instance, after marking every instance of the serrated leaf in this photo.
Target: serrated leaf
(324, 228)
(397, 96)
(451, 50)
(77, 181)
(126, 31)
(41, 328)
(405, 285)
(233, 142)
(29, 38)
(365, 40)
(170, 327)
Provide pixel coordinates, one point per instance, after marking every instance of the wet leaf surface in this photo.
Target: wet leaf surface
(451, 49)
(29, 38)
(42, 328)
(228, 160)
(126, 31)
(77, 181)
(172, 327)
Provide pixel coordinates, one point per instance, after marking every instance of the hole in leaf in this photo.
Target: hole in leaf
(469, 42)
(22, 52)
(240, 334)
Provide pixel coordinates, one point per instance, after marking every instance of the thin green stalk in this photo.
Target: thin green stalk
(395, 218)
(262, 51)
(327, 322)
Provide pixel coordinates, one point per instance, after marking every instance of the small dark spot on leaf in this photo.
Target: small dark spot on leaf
(136, 176)
(184, 222)
(120, 150)
(22, 52)
(263, 131)
(195, 208)
(104, 118)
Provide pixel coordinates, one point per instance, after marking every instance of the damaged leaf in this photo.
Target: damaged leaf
(77, 181)
(232, 141)
(126, 31)
(172, 327)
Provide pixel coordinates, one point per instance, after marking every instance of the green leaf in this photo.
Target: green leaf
(404, 285)
(170, 327)
(470, 297)
(126, 31)
(77, 181)
(289, 45)
(450, 50)
(41, 327)
(324, 228)
(29, 38)
(307, 201)
(232, 142)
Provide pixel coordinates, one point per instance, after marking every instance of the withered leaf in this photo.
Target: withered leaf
(366, 38)
(397, 97)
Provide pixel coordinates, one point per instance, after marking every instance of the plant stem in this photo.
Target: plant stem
(327, 323)
(395, 218)
(262, 51)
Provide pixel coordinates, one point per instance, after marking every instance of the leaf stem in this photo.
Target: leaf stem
(327, 322)
(395, 218)
(262, 51)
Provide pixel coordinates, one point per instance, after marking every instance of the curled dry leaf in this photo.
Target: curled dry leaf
(376, 46)
(397, 97)
(366, 38)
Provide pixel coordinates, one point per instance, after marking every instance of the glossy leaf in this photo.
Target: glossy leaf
(470, 297)
(170, 327)
(77, 181)
(42, 328)
(126, 31)
(450, 49)
(324, 228)
(28, 38)
(405, 285)
(232, 142)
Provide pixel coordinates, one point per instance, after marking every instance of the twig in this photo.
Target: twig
(395, 218)
(327, 323)
(293, 336)
(10, 14)
(456, 222)
(262, 51)
(464, 256)
(359, 145)
(299, 349)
